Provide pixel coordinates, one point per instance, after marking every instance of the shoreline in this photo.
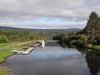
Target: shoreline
(7, 70)
(6, 58)
(20, 45)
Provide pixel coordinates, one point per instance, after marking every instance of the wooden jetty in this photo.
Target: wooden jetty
(28, 50)
(17, 51)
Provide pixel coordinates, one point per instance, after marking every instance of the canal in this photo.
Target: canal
(55, 59)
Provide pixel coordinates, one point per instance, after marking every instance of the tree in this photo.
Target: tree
(3, 39)
(92, 26)
(62, 36)
(83, 37)
(97, 30)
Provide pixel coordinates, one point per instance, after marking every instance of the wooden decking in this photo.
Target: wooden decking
(28, 50)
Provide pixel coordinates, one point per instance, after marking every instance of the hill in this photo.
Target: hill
(39, 30)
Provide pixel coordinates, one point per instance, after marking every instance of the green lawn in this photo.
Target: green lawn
(2, 71)
(5, 44)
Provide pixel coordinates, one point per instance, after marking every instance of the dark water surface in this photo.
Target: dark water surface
(55, 60)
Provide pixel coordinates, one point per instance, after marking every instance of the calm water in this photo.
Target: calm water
(55, 60)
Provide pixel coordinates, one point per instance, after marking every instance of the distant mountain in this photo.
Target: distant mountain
(10, 28)
(48, 30)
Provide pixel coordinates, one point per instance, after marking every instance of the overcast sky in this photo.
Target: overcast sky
(47, 14)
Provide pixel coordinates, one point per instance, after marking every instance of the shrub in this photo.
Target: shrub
(83, 37)
(91, 41)
(3, 39)
(79, 42)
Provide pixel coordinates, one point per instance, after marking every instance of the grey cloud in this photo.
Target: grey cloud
(72, 10)
(45, 25)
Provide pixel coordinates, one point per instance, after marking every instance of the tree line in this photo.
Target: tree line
(89, 35)
(16, 36)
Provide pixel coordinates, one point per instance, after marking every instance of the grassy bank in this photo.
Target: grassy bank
(2, 71)
(5, 44)
(6, 52)
(4, 55)
(97, 48)
(15, 46)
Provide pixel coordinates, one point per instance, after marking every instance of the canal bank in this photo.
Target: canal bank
(7, 52)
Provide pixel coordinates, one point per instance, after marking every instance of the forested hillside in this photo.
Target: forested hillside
(16, 36)
(11, 34)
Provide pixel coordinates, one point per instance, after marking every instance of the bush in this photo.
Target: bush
(97, 48)
(98, 40)
(83, 37)
(91, 41)
(62, 36)
(3, 39)
(79, 42)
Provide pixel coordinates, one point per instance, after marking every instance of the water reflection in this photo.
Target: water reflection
(63, 45)
(93, 61)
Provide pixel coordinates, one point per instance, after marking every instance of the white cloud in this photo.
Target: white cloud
(45, 25)
(16, 11)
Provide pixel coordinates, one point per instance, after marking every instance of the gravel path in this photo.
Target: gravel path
(6, 46)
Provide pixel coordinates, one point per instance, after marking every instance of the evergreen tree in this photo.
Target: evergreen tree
(93, 26)
(97, 30)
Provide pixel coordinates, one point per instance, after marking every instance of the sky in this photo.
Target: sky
(47, 14)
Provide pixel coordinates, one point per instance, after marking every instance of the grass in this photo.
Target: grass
(97, 48)
(17, 46)
(13, 48)
(2, 71)
(5, 44)
(7, 52)
(4, 55)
